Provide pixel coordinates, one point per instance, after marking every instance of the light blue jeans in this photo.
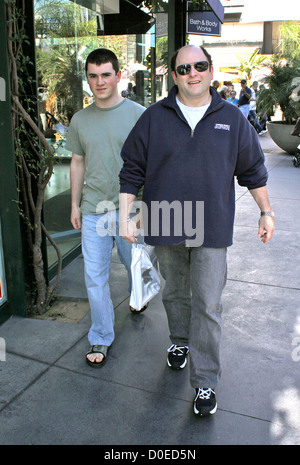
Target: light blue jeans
(99, 233)
(195, 278)
(245, 110)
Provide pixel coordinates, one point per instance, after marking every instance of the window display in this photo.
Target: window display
(66, 32)
(2, 273)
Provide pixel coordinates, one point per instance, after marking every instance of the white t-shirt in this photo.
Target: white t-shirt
(252, 100)
(192, 114)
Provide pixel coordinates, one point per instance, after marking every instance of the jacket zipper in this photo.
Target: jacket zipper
(184, 120)
(204, 116)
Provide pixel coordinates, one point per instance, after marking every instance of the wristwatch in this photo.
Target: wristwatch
(267, 213)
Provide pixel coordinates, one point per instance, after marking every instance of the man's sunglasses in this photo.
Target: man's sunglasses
(186, 69)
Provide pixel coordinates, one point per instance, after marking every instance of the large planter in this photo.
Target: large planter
(280, 132)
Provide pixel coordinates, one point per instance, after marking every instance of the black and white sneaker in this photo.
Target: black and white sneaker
(205, 402)
(177, 356)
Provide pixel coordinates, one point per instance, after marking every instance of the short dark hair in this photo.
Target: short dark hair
(174, 57)
(243, 81)
(103, 55)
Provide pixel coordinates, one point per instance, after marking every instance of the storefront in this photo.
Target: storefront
(12, 292)
(61, 34)
(65, 33)
(3, 293)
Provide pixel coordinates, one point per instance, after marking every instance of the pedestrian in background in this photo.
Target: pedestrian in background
(244, 98)
(252, 116)
(232, 98)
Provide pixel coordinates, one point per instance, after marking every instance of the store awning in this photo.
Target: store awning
(119, 16)
(217, 8)
(130, 20)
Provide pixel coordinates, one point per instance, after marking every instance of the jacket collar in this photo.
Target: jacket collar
(216, 103)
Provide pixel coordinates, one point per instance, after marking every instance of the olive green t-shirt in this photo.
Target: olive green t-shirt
(99, 135)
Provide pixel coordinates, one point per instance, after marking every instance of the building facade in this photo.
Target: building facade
(61, 33)
(248, 25)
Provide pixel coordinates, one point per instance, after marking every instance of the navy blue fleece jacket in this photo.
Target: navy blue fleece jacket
(174, 163)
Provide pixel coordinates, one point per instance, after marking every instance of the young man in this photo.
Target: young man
(186, 150)
(252, 116)
(95, 137)
(244, 99)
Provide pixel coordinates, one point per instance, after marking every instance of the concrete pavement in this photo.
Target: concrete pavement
(49, 395)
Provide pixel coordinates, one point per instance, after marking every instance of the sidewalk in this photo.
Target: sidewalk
(49, 395)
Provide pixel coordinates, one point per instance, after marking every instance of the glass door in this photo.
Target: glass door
(66, 32)
(3, 296)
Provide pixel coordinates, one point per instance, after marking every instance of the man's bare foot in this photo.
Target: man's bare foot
(96, 357)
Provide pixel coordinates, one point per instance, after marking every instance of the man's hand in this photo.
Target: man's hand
(265, 228)
(265, 223)
(76, 217)
(128, 231)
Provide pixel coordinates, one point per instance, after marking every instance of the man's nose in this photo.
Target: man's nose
(193, 70)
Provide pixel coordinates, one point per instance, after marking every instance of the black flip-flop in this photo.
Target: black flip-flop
(97, 349)
(135, 312)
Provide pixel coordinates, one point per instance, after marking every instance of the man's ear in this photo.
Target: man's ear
(174, 76)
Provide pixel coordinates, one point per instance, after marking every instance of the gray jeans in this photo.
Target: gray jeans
(195, 278)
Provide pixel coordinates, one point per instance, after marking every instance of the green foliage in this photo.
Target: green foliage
(65, 36)
(283, 90)
(249, 63)
(58, 18)
(162, 50)
(289, 40)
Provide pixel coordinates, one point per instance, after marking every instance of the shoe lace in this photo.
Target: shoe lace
(204, 393)
(180, 350)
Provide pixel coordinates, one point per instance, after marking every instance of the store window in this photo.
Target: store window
(161, 47)
(66, 32)
(3, 297)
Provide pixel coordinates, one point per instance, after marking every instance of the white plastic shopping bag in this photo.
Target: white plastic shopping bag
(145, 277)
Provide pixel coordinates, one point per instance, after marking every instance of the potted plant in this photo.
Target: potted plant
(284, 87)
(283, 91)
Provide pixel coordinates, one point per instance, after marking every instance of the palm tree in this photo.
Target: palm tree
(59, 61)
(248, 65)
(61, 72)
